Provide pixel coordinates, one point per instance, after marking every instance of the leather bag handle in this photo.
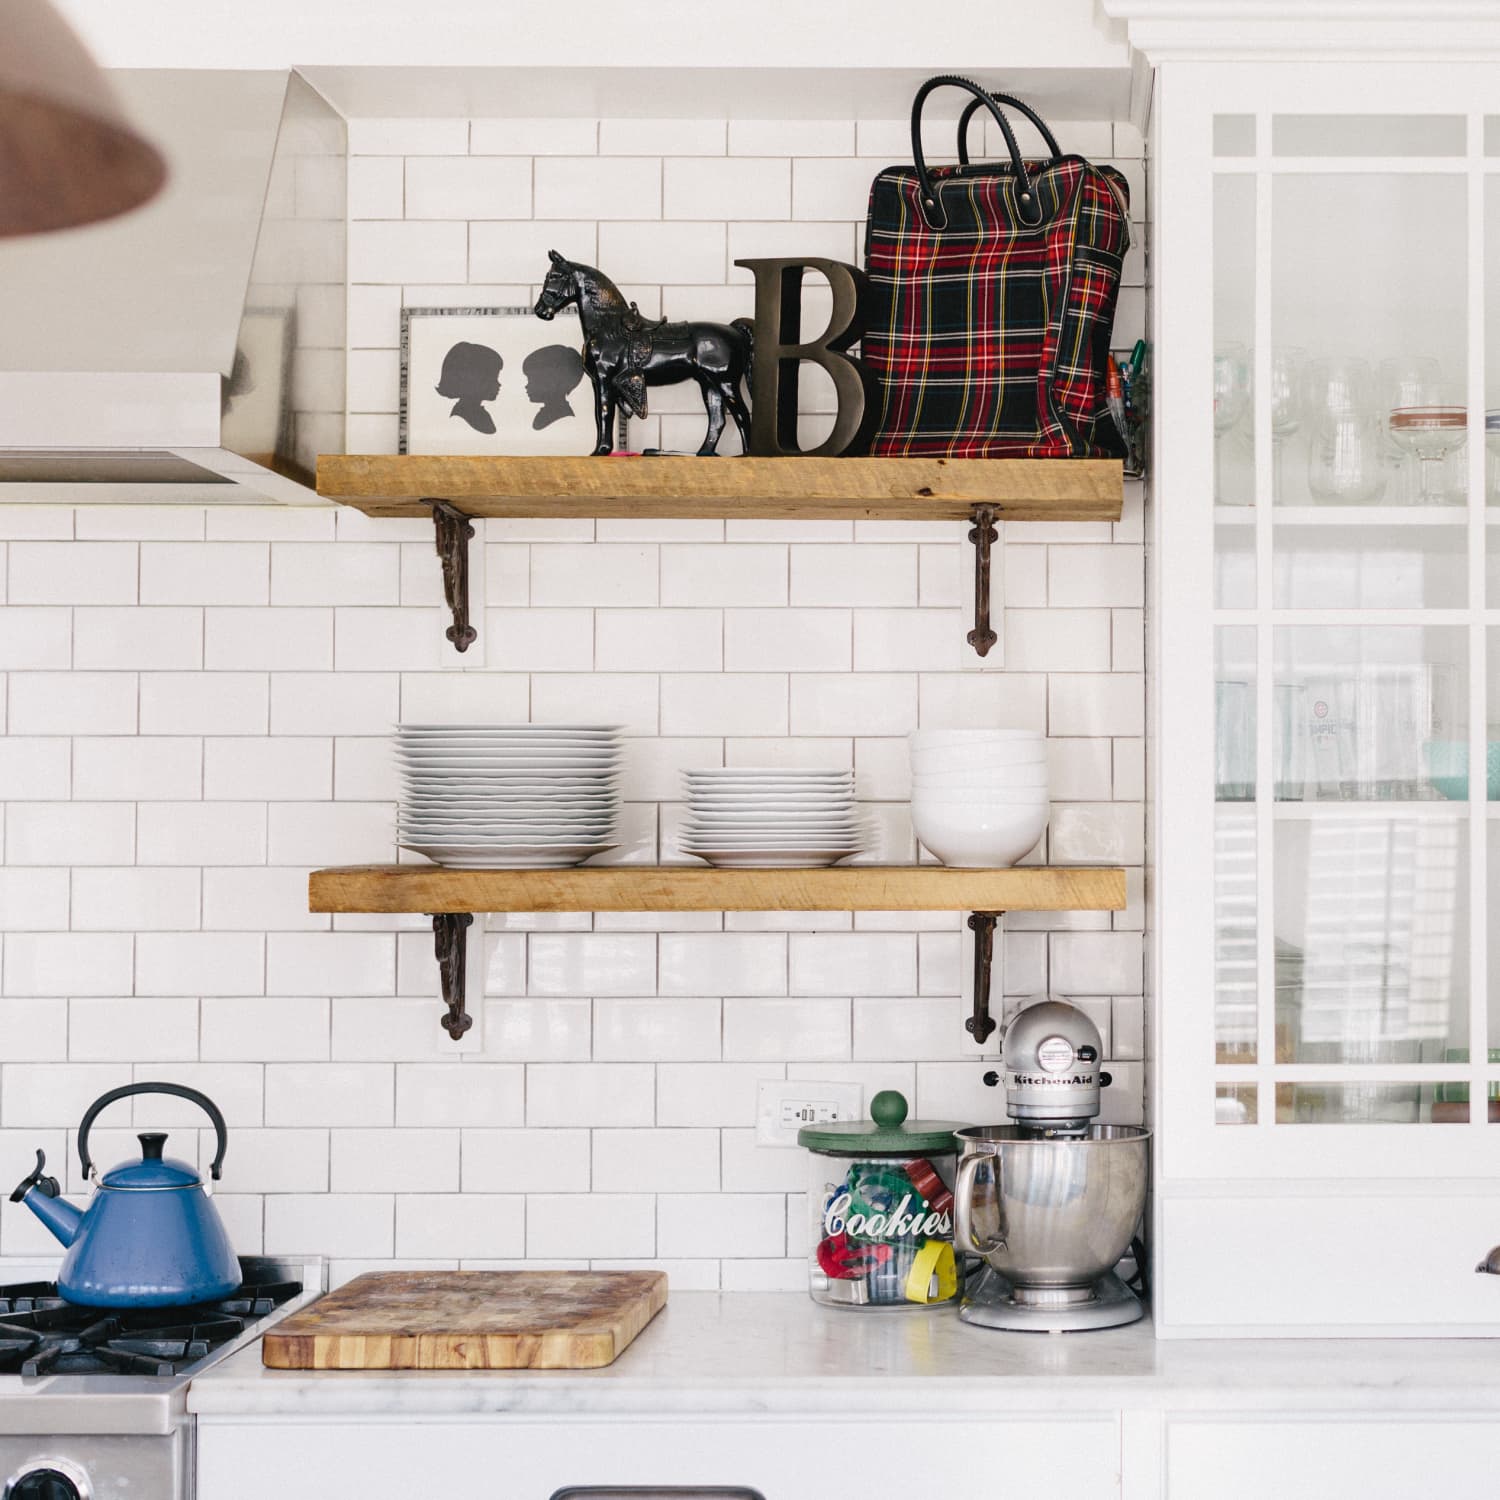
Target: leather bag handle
(203, 1102)
(1011, 102)
(1027, 207)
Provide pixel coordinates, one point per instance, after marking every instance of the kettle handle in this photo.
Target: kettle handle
(204, 1103)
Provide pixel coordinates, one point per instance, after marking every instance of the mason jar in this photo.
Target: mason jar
(880, 1209)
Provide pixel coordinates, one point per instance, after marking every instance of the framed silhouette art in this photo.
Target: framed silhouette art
(494, 380)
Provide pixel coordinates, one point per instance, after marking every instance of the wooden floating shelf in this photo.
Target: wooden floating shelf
(890, 489)
(451, 897)
(427, 888)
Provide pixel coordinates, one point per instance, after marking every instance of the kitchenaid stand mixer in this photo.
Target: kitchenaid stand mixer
(1051, 1201)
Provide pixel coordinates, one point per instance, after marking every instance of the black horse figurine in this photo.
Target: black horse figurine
(624, 353)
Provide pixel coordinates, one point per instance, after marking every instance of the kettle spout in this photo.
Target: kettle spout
(40, 1194)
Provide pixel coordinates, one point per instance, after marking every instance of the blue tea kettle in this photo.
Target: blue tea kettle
(150, 1236)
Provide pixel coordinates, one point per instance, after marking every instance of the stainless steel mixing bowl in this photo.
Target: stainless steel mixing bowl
(1050, 1213)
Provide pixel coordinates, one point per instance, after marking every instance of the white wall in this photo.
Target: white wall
(195, 709)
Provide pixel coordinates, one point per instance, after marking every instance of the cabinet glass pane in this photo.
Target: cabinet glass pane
(1369, 713)
(1234, 713)
(1371, 938)
(1368, 135)
(1234, 321)
(1234, 935)
(1492, 383)
(1367, 562)
(1370, 1104)
(1368, 317)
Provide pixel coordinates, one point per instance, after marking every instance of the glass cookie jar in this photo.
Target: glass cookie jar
(880, 1209)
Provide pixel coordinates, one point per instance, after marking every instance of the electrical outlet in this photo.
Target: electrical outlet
(783, 1107)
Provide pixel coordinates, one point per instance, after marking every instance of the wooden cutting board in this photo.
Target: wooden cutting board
(469, 1320)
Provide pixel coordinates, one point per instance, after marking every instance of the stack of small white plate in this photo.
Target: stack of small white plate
(508, 796)
(769, 818)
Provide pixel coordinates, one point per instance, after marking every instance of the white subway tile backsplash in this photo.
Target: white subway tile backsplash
(708, 1094)
(257, 657)
(652, 1030)
(468, 187)
(744, 187)
(79, 703)
(134, 899)
(203, 702)
(70, 833)
(787, 640)
(675, 137)
(517, 251)
(201, 833)
(62, 963)
(590, 1224)
(655, 1161)
(415, 250)
(145, 768)
(766, 1029)
(471, 1224)
(73, 572)
(526, 1161)
(591, 1094)
(36, 638)
(460, 1094)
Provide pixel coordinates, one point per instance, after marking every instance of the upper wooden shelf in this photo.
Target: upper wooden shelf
(893, 489)
(427, 888)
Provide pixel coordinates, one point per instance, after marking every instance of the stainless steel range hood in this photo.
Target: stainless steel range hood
(192, 351)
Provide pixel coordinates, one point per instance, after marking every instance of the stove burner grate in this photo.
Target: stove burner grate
(42, 1334)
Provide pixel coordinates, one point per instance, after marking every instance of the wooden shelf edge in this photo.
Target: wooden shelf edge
(727, 488)
(397, 889)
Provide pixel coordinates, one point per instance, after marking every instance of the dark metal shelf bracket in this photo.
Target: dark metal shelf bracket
(448, 932)
(981, 1024)
(983, 535)
(453, 533)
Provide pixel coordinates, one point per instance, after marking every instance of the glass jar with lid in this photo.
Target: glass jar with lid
(880, 1209)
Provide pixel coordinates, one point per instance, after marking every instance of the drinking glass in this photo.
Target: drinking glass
(1231, 401)
(1345, 457)
(1430, 434)
(1492, 457)
(1288, 401)
(1411, 380)
(1234, 742)
(1291, 747)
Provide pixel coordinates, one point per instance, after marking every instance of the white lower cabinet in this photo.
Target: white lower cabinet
(489, 1458)
(1314, 1458)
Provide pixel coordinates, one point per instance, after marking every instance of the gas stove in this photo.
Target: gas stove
(93, 1401)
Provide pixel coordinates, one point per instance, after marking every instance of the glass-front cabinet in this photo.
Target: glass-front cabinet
(1328, 696)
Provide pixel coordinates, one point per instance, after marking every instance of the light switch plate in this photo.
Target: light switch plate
(784, 1106)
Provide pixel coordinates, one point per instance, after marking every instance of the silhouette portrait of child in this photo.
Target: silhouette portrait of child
(471, 376)
(551, 373)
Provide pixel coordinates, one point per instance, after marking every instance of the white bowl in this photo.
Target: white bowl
(971, 838)
(923, 738)
(963, 758)
(1005, 797)
(995, 778)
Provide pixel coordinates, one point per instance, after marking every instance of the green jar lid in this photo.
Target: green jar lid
(887, 1132)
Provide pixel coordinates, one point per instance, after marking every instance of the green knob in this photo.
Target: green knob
(888, 1108)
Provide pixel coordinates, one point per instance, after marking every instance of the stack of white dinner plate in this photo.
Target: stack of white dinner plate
(508, 796)
(766, 818)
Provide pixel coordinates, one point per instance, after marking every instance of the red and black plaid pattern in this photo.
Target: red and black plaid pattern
(990, 336)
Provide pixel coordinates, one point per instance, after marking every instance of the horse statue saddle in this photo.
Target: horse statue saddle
(629, 379)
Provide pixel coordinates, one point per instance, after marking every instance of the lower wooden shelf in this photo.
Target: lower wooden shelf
(451, 897)
(427, 888)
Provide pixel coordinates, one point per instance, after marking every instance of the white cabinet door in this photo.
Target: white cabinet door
(1319, 1458)
(491, 1458)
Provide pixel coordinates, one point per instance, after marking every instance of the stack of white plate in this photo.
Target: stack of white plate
(979, 797)
(508, 796)
(769, 818)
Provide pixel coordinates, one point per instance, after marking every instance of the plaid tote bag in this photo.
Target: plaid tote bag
(992, 297)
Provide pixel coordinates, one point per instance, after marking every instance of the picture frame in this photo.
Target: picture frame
(493, 381)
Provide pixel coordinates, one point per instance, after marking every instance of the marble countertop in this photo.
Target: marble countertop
(746, 1353)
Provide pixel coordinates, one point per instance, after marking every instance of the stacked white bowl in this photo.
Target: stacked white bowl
(770, 817)
(508, 796)
(979, 797)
